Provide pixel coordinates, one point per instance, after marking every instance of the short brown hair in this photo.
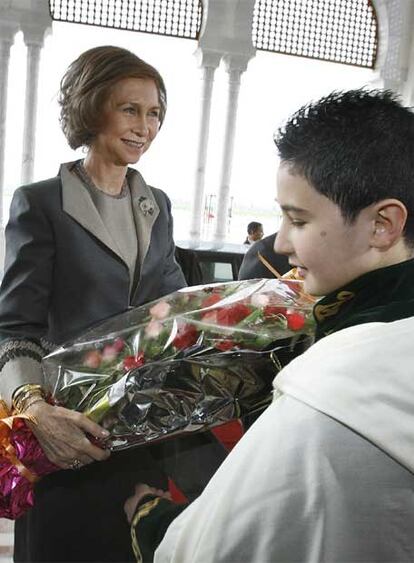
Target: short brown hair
(87, 85)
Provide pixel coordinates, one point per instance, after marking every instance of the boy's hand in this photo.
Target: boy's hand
(141, 490)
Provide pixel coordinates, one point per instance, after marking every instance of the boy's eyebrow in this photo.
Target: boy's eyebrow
(293, 208)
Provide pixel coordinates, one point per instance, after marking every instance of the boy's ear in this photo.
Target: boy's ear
(390, 216)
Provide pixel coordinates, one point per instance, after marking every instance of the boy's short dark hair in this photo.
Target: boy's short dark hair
(356, 148)
(88, 83)
(253, 226)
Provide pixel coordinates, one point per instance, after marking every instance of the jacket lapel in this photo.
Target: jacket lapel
(145, 210)
(77, 203)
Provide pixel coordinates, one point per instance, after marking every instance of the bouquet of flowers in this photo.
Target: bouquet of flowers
(194, 359)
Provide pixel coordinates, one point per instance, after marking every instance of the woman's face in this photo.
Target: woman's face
(130, 122)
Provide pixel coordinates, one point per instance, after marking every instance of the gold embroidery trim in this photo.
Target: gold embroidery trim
(143, 511)
(322, 312)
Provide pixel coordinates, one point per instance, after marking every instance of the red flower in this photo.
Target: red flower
(295, 321)
(186, 336)
(131, 362)
(229, 316)
(271, 311)
(210, 300)
(225, 345)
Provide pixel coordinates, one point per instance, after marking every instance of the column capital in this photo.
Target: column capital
(34, 35)
(236, 61)
(8, 29)
(227, 27)
(207, 57)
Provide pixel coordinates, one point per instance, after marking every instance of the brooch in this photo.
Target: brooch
(146, 205)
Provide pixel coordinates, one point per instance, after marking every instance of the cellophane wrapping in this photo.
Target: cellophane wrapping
(194, 359)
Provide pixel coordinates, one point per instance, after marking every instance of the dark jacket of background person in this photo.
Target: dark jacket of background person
(252, 267)
(62, 275)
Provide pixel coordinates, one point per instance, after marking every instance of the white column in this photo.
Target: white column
(8, 30)
(395, 63)
(408, 50)
(208, 62)
(235, 66)
(30, 109)
(5, 45)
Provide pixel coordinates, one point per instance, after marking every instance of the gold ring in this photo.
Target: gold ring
(76, 464)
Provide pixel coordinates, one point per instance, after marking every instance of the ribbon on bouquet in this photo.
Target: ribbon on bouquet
(7, 449)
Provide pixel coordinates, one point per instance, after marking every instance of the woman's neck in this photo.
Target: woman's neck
(106, 177)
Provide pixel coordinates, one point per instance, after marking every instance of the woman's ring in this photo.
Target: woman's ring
(76, 464)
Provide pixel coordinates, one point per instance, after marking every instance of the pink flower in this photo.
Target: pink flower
(153, 329)
(118, 344)
(109, 353)
(160, 310)
(92, 359)
(210, 316)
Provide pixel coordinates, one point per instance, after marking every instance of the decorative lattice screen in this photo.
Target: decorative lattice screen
(343, 31)
(178, 18)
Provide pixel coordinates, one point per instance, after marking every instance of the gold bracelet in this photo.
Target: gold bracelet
(22, 402)
(22, 395)
(27, 387)
(31, 401)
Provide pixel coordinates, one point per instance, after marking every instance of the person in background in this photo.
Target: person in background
(254, 232)
(253, 267)
(327, 472)
(81, 247)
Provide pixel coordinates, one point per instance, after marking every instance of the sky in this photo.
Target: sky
(271, 89)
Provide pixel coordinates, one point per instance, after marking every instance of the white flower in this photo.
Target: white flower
(259, 300)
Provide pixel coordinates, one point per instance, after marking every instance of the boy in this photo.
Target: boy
(326, 473)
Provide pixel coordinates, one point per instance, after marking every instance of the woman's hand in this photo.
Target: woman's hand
(141, 490)
(62, 435)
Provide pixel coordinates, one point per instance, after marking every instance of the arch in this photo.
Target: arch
(318, 29)
(176, 18)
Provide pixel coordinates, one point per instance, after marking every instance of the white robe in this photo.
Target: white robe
(326, 473)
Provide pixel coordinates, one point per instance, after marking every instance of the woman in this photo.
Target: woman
(81, 247)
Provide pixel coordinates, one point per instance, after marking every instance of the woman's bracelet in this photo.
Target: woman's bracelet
(31, 401)
(27, 395)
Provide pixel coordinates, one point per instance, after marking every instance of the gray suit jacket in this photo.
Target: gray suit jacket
(63, 271)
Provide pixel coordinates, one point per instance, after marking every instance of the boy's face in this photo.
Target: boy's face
(328, 251)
